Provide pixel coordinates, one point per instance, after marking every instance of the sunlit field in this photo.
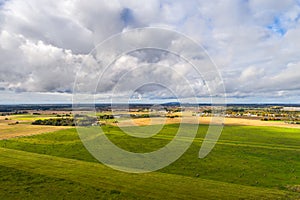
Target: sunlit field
(248, 162)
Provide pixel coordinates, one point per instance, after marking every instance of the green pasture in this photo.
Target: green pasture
(246, 163)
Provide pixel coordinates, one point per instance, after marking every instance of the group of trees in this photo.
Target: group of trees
(81, 120)
(271, 119)
(63, 115)
(106, 116)
(140, 116)
(55, 122)
(151, 115)
(173, 116)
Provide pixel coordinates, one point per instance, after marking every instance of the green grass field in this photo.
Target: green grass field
(247, 163)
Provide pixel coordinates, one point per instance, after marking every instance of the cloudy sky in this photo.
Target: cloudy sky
(254, 44)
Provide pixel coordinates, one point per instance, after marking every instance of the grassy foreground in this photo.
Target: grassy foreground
(153, 185)
(247, 163)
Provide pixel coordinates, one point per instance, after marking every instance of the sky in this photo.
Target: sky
(46, 45)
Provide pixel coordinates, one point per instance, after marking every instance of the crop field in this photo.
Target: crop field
(206, 120)
(20, 125)
(248, 162)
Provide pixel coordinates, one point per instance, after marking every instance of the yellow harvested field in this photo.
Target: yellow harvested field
(204, 120)
(251, 122)
(17, 130)
(148, 121)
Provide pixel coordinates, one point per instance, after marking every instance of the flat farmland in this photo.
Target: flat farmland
(204, 120)
(20, 125)
(248, 162)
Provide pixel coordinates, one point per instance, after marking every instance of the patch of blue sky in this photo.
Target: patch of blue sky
(297, 18)
(277, 26)
(2, 2)
(127, 17)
